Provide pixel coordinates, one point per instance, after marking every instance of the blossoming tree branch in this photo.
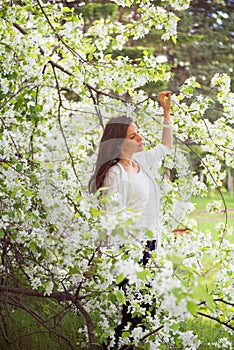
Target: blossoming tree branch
(61, 82)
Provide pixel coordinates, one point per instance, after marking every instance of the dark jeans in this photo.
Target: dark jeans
(150, 246)
(126, 315)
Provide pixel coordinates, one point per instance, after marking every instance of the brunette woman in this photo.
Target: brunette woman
(129, 171)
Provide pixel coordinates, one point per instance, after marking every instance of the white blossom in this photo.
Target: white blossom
(190, 340)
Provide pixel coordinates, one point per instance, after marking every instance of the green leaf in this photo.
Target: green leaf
(125, 334)
(94, 212)
(40, 289)
(209, 301)
(173, 38)
(28, 193)
(1, 233)
(33, 179)
(86, 235)
(149, 234)
(120, 295)
(73, 270)
(120, 278)
(192, 307)
(142, 275)
(175, 327)
(112, 297)
(33, 245)
(198, 292)
(19, 167)
(128, 3)
(66, 9)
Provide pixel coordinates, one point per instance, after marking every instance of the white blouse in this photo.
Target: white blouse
(139, 191)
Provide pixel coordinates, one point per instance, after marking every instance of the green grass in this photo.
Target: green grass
(25, 333)
(31, 336)
(207, 221)
(201, 202)
(208, 333)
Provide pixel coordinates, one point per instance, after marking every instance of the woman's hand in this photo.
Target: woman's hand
(165, 101)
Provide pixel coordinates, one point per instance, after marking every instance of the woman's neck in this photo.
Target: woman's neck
(129, 165)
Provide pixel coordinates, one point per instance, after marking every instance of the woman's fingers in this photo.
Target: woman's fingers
(164, 98)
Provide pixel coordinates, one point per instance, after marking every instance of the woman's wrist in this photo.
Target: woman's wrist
(166, 113)
(167, 125)
(167, 120)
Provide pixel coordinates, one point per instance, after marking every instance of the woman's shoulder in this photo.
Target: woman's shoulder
(114, 172)
(115, 169)
(113, 175)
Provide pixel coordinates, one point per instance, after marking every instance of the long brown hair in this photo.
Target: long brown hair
(109, 149)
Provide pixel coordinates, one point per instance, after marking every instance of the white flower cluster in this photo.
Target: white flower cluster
(225, 96)
(223, 343)
(190, 340)
(215, 207)
(123, 3)
(171, 28)
(140, 31)
(129, 269)
(223, 81)
(213, 171)
(179, 4)
(188, 87)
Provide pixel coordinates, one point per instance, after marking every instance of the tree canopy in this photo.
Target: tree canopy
(61, 80)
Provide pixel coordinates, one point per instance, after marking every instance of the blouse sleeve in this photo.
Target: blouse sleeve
(158, 152)
(150, 158)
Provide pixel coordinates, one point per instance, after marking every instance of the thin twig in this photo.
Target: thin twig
(215, 182)
(57, 35)
(223, 301)
(61, 127)
(59, 296)
(145, 336)
(216, 145)
(152, 332)
(216, 319)
(89, 324)
(3, 328)
(96, 107)
(22, 30)
(40, 320)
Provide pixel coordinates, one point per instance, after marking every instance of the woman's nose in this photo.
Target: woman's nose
(140, 138)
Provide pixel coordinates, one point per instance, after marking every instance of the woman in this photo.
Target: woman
(129, 171)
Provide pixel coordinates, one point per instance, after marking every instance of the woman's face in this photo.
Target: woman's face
(133, 141)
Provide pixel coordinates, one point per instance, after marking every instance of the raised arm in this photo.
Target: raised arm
(165, 101)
